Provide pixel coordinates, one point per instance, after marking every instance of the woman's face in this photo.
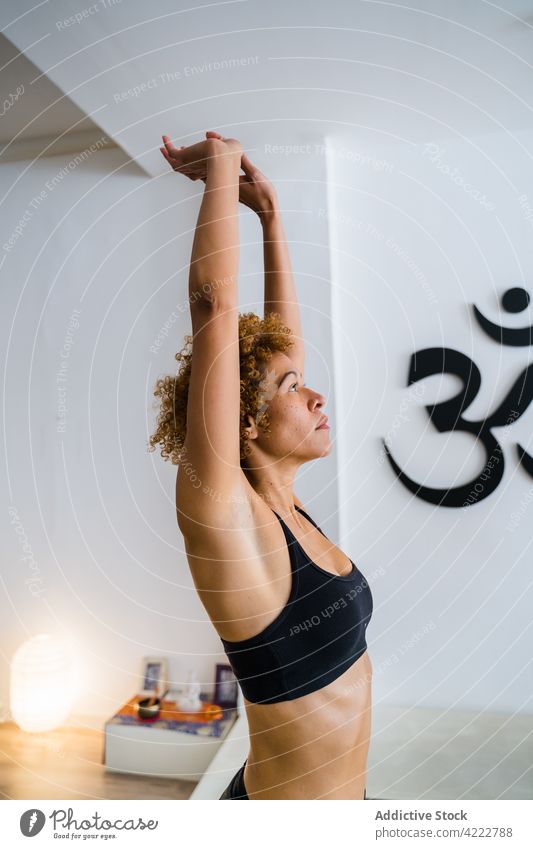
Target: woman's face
(295, 412)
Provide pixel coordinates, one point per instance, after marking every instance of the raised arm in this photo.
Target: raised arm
(257, 192)
(212, 443)
(279, 289)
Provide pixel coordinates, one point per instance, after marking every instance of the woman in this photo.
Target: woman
(290, 608)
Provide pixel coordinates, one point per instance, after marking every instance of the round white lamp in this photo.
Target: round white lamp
(41, 691)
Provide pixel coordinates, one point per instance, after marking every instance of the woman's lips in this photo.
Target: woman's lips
(323, 427)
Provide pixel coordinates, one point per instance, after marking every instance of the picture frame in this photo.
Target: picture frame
(226, 686)
(154, 675)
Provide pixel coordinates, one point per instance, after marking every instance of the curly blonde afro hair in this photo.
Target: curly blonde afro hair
(259, 339)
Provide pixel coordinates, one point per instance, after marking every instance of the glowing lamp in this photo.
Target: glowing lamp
(41, 691)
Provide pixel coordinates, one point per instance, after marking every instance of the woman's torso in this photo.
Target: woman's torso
(315, 745)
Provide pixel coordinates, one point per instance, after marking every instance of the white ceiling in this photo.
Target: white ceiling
(41, 118)
(41, 111)
(371, 68)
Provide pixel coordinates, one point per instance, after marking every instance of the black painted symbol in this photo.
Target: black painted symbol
(448, 415)
(514, 300)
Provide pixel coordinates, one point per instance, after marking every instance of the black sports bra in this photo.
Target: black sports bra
(316, 637)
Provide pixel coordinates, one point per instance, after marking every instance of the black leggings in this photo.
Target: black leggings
(236, 788)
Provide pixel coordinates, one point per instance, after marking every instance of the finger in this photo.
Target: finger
(166, 156)
(247, 166)
(169, 146)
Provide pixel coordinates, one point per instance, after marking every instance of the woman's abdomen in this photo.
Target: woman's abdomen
(315, 746)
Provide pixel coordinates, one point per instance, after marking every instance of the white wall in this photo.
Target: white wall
(412, 250)
(96, 508)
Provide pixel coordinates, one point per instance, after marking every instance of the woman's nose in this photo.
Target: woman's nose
(318, 400)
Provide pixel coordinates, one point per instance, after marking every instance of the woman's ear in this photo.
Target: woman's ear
(251, 427)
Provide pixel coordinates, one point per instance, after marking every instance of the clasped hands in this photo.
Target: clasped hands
(255, 190)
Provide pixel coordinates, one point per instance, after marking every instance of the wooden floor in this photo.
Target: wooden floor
(67, 764)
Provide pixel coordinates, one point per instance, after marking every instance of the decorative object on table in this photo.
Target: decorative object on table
(171, 714)
(148, 708)
(154, 676)
(226, 686)
(42, 683)
(173, 744)
(189, 700)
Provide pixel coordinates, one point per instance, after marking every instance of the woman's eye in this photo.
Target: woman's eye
(295, 384)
